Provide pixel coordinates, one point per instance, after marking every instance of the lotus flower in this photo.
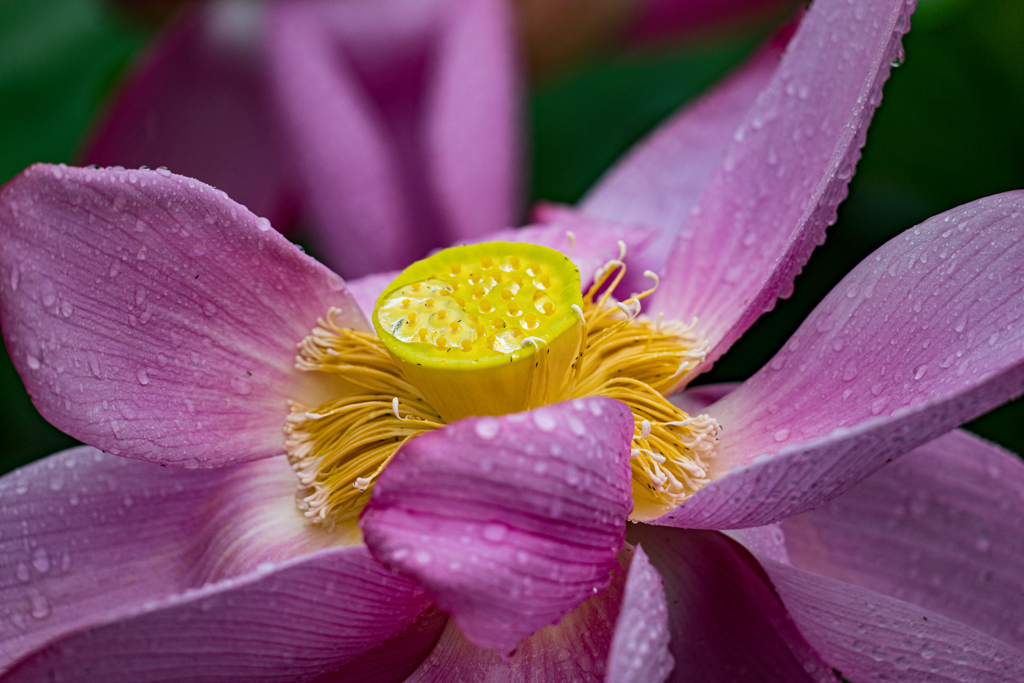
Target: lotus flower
(154, 318)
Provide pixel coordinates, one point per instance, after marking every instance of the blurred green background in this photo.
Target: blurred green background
(949, 131)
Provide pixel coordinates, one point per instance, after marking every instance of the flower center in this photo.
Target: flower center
(471, 327)
(491, 329)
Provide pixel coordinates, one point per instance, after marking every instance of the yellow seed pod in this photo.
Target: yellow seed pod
(510, 345)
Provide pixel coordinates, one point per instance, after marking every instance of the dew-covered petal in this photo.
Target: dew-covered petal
(102, 557)
(199, 104)
(373, 94)
(575, 649)
(508, 522)
(868, 636)
(640, 647)
(786, 171)
(925, 334)
(725, 621)
(153, 317)
(941, 528)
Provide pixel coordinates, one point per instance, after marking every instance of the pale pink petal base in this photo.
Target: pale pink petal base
(509, 522)
(725, 621)
(151, 316)
(366, 290)
(925, 334)
(143, 572)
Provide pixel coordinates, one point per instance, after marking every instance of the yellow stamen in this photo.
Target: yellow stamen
(339, 449)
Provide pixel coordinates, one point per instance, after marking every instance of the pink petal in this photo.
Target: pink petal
(137, 571)
(661, 19)
(151, 316)
(870, 636)
(509, 522)
(786, 171)
(726, 622)
(371, 92)
(199, 104)
(473, 120)
(340, 143)
(640, 648)
(941, 528)
(922, 336)
(573, 650)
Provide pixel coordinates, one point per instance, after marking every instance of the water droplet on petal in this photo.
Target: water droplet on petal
(544, 421)
(41, 560)
(487, 428)
(495, 532)
(39, 606)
